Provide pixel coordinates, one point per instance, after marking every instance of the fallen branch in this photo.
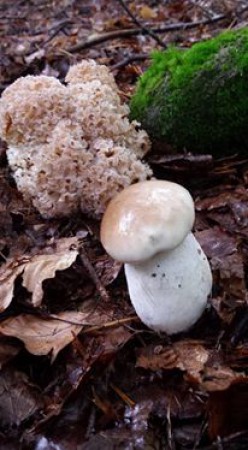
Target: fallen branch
(99, 38)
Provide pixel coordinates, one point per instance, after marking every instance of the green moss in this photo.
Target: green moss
(198, 98)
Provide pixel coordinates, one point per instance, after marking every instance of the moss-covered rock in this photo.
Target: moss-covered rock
(197, 99)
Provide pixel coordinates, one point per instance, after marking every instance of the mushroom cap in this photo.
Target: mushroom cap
(169, 291)
(147, 218)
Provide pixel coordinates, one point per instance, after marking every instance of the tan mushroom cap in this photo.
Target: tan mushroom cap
(146, 218)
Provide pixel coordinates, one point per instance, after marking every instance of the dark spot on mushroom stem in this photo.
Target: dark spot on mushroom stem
(158, 265)
(199, 251)
(179, 285)
(163, 275)
(154, 275)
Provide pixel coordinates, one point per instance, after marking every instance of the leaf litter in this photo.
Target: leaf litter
(78, 369)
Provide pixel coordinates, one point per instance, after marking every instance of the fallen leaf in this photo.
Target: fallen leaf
(228, 209)
(147, 13)
(202, 366)
(18, 398)
(226, 261)
(8, 274)
(107, 269)
(216, 243)
(228, 410)
(231, 275)
(188, 356)
(45, 336)
(35, 270)
(8, 350)
(219, 378)
(43, 267)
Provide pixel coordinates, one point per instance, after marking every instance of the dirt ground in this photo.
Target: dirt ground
(78, 368)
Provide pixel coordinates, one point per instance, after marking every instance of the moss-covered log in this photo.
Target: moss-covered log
(197, 99)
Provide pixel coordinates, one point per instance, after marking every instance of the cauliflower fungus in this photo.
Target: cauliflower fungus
(71, 147)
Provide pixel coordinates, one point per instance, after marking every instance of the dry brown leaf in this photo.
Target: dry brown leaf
(43, 267)
(203, 367)
(189, 356)
(219, 378)
(45, 336)
(192, 355)
(35, 270)
(8, 275)
(147, 13)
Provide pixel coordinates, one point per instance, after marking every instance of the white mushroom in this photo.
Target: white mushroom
(147, 226)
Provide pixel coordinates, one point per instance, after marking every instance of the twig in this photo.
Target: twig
(143, 28)
(129, 59)
(205, 10)
(46, 30)
(99, 38)
(55, 32)
(111, 324)
(232, 442)
(87, 264)
(126, 399)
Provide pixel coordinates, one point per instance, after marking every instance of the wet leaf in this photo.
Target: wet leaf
(188, 356)
(216, 243)
(228, 409)
(227, 264)
(18, 398)
(8, 350)
(107, 269)
(219, 378)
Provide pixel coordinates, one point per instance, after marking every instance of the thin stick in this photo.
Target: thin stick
(129, 59)
(143, 28)
(98, 38)
(112, 324)
(90, 269)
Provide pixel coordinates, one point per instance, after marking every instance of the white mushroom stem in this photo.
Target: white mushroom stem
(169, 291)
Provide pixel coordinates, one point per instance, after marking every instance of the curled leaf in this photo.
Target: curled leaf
(35, 270)
(45, 336)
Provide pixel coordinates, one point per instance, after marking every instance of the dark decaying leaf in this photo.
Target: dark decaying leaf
(204, 367)
(8, 350)
(19, 400)
(228, 409)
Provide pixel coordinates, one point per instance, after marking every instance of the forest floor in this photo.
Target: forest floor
(78, 368)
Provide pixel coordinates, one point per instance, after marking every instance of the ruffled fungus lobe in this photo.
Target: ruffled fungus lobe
(71, 147)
